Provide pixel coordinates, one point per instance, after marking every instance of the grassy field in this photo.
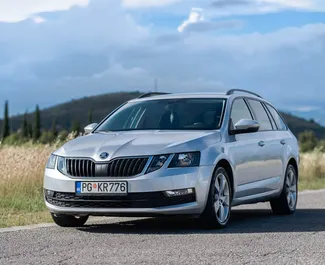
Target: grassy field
(21, 177)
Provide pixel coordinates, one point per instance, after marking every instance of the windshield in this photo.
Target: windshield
(167, 114)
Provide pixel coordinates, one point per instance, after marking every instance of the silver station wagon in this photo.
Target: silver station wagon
(164, 154)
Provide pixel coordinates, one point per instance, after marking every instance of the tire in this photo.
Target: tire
(287, 202)
(65, 220)
(218, 208)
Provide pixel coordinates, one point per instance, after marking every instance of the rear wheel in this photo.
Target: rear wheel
(217, 211)
(65, 220)
(287, 202)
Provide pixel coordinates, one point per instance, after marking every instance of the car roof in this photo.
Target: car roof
(222, 95)
(183, 95)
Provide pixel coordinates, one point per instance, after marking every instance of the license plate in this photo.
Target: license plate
(99, 187)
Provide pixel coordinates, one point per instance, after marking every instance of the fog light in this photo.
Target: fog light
(173, 193)
(49, 193)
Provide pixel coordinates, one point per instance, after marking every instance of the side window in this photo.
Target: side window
(239, 111)
(277, 118)
(275, 127)
(260, 115)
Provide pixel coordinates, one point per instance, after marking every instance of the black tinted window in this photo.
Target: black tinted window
(260, 115)
(239, 111)
(278, 120)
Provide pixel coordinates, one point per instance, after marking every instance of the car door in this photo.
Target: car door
(247, 153)
(272, 149)
(281, 136)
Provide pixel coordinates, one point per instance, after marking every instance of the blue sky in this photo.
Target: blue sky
(56, 50)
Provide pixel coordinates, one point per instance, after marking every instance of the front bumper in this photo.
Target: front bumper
(145, 197)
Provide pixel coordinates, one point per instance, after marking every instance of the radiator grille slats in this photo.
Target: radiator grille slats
(126, 169)
(121, 167)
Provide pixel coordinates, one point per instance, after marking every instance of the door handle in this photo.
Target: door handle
(283, 142)
(261, 143)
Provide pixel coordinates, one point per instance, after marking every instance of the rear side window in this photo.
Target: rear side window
(260, 115)
(277, 118)
(239, 111)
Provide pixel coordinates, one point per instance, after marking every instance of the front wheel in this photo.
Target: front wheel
(287, 202)
(217, 211)
(65, 220)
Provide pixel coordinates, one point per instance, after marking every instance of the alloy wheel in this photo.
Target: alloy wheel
(221, 198)
(291, 189)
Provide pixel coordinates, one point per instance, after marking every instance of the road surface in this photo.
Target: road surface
(254, 236)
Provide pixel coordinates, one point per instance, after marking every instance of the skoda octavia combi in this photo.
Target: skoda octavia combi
(166, 154)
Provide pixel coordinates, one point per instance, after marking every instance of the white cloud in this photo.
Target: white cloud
(248, 7)
(18, 10)
(196, 15)
(290, 3)
(39, 19)
(117, 70)
(148, 3)
(197, 23)
(304, 108)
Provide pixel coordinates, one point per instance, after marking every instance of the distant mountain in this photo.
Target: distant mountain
(313, 115)
(77, 111)
(298, 125)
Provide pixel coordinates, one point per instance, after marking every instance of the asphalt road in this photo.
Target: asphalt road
(254, 236)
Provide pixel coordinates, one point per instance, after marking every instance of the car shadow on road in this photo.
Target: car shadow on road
(242, 221)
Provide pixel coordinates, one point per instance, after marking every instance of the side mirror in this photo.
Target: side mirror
(88, 129)
(245, 126)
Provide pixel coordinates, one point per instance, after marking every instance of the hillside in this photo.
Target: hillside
(77, 110)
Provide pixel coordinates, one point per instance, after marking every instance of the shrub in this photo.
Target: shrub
(47, 138)
(63, 135)
(307, 141)
(14, 139)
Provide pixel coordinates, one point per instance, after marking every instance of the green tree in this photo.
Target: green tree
(30, 130)
(54, 130)
(6, 126)
(37, 124)
(24, 129)
(90, 116)
(307, 141)
(76, 127)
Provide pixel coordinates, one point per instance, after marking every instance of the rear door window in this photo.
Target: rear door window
(277, 118)
(260, 115)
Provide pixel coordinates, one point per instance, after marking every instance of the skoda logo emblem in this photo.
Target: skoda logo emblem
(103, 155)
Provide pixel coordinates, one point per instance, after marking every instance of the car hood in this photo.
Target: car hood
(138, 143)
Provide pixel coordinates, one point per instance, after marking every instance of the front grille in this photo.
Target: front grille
(121, 167)
(80, 167)
(132, 200)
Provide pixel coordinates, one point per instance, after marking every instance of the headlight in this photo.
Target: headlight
(157, 162)
(51, 162)
(186, 160)
(62, 165)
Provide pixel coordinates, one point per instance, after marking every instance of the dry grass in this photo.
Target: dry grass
(21, 178)
(312, 171)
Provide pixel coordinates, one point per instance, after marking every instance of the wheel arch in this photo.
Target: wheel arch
(224, 163)
(292, 161)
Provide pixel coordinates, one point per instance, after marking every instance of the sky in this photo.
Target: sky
(52, 51)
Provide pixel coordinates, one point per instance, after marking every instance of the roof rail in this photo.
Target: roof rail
(151, 94)
(232, 91)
